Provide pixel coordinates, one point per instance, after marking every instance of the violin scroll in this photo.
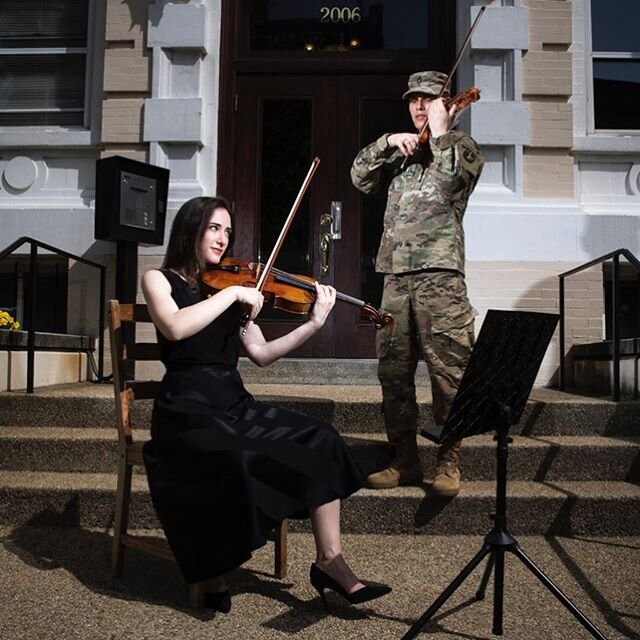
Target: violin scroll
(380, 320)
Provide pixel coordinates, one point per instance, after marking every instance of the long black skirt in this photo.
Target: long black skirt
(225, 469)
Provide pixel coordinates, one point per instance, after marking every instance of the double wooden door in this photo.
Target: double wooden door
(281, 123)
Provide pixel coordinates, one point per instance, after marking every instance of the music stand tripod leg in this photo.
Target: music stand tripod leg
(550, 585)
(485, 579)
(498, 592)
(447, 593)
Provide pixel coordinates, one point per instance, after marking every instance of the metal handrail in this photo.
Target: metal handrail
(615, 311)
(31, 334)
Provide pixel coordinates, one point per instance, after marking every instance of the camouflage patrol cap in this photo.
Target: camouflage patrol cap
(427, 82)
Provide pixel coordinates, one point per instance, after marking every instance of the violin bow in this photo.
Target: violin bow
(264, 272)
(464, 46)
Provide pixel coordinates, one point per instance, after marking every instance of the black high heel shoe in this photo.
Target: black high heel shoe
(220, 601)
(321, 581)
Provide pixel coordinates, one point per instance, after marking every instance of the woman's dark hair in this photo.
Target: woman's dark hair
(183, 250)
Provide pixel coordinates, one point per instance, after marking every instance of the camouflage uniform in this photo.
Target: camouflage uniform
(433, 319)
(422, 256)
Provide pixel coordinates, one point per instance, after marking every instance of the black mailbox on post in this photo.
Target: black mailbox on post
(131, 207)
(131, 200)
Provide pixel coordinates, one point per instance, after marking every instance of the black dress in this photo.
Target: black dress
(223, 468)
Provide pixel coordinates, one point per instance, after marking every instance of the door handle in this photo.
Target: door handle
(333, 221)
(336, 219)
(325, 244)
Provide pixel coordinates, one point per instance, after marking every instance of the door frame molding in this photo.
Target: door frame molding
(234, 62)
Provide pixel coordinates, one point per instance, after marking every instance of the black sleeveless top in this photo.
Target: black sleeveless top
(216, 344)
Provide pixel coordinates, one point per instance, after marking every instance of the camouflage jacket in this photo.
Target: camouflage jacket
(425, 202)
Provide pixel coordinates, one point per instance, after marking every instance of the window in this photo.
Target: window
(629, 300)
(52, 285)
(615, 47)
(316, 25)
(43, 62)
(349, 31)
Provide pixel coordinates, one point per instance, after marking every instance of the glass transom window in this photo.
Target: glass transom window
(342, 26)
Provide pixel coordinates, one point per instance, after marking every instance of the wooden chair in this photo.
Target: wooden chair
(130, 451)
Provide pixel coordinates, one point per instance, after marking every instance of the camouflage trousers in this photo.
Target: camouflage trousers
(433, 320)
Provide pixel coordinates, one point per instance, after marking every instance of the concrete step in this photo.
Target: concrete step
(540, 458)
(534, 508)
(319, 371)
(58, 449)
(351, 409)
(574, 466)
(549, 508)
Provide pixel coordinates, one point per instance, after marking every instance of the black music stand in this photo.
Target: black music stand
(492, 396)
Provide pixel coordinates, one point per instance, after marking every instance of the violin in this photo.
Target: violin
(285, 291)
(461, 101)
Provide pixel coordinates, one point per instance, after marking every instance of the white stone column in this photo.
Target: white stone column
(499, 122)
(181, 117)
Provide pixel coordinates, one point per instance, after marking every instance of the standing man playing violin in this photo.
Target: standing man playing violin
(421, 253)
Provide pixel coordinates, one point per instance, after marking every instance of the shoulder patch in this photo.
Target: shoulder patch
(469, 156)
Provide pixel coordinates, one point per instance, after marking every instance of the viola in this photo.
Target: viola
(285, 291)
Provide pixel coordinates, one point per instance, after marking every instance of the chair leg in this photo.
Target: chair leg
(280, 551)
(121, 520)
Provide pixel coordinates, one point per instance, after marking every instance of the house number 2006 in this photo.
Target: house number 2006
(340, 14)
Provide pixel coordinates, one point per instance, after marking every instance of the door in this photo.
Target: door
(281, 123)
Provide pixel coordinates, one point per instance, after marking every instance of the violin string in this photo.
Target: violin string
(291, 279)
(288, 278)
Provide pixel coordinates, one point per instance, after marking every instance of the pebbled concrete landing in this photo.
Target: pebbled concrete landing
(57, 586)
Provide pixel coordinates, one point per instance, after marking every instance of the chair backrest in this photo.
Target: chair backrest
(125, 352)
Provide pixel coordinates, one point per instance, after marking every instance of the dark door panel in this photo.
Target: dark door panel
(282, 123)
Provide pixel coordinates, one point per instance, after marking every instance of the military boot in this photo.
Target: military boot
(404, 468)
(446, 483)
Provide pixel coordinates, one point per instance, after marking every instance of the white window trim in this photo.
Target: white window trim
(60, 136)
(588, 139)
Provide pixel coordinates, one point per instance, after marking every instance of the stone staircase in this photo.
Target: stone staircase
(574, 464)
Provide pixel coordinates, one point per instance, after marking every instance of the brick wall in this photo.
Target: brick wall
(146, 332)
(547, 87)
(127, 73)
(534, 286)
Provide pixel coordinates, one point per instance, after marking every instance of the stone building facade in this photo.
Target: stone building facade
(556, 191)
